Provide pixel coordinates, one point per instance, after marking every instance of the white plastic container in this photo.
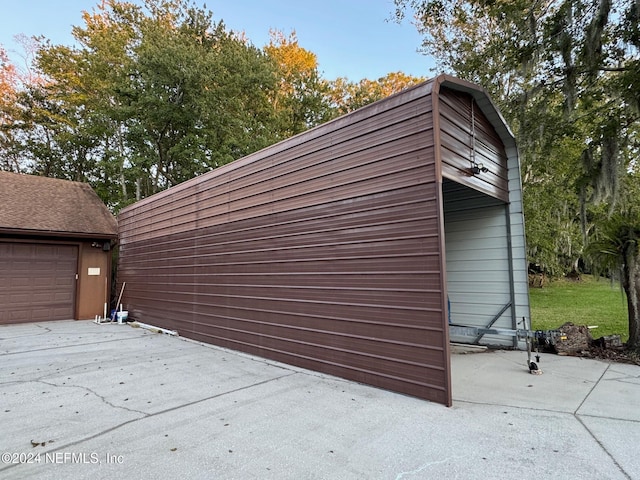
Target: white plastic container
(122, 316)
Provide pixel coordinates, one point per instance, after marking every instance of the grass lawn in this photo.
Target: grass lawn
(589, 301)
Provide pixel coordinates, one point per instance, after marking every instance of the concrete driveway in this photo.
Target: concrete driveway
(80, 400)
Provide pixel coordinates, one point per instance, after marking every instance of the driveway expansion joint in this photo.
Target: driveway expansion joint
(602, 446)
(573, 414)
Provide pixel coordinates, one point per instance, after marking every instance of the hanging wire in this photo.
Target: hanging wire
(476, 167)
(473, 136)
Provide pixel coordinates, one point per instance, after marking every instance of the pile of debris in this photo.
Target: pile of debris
(573, 339)
(577, 340)
(620, 355)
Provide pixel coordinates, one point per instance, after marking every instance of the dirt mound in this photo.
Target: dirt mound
(577, 340)
(574, 339)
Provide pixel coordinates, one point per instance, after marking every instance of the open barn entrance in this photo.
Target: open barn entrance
(479, 264)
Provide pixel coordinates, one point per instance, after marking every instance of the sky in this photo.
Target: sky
(351, 38)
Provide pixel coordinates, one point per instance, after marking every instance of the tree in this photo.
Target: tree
(151, 96)
(15, 81)
(349, 96)
(156, 92)
(615, 248)
(197, 98)
(302, 97)
(566, 75)
(8, 91)
(8, 78)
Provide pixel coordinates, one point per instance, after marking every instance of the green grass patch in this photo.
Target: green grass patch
(589, 301)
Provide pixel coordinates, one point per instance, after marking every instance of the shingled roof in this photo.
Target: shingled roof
(48, 206)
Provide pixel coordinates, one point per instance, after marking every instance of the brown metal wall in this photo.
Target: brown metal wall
(322, 251)
(455, 110)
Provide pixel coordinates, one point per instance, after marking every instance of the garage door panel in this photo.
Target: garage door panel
(61, 313)
(42, 296)
(18, 283)
(65, 297)
(17, 299)
(18, 316)
(37, 282)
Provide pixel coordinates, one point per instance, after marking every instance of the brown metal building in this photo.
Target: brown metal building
(55, 242)
(330, 250)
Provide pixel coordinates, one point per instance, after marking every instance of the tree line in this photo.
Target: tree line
(155, 94)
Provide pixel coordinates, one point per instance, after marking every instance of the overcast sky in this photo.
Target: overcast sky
(352, 38)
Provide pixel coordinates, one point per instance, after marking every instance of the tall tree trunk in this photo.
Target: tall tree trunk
(631, 286)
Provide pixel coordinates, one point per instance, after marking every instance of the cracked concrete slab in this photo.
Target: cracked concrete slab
(28, 337)
(165, 372)
(52, 414)
(619, 381)
(330, 429)
(619, 437)
(497, 377)
(154, 406)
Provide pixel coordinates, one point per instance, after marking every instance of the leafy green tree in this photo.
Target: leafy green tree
(102, 64)
(186, 94)
(566, 75)
(348, 96)
(615, 248)
(152, 95)
(196, 99)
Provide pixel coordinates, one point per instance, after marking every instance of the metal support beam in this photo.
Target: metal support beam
(541, 337)
(512, 292)
(493, 320)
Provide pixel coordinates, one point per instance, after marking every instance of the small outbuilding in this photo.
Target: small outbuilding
(346, 249)
(55, 249)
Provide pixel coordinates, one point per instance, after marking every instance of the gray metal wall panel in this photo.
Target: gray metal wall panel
(478, 278)
(324, 255)
(518, 242)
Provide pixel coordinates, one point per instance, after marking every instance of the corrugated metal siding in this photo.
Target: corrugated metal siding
(478, 264)
(322, 251)
(455, 110)
(518, 242)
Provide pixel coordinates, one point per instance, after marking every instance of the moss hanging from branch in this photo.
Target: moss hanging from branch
(592, 50)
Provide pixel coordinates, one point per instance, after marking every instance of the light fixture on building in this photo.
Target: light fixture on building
(477, 168)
